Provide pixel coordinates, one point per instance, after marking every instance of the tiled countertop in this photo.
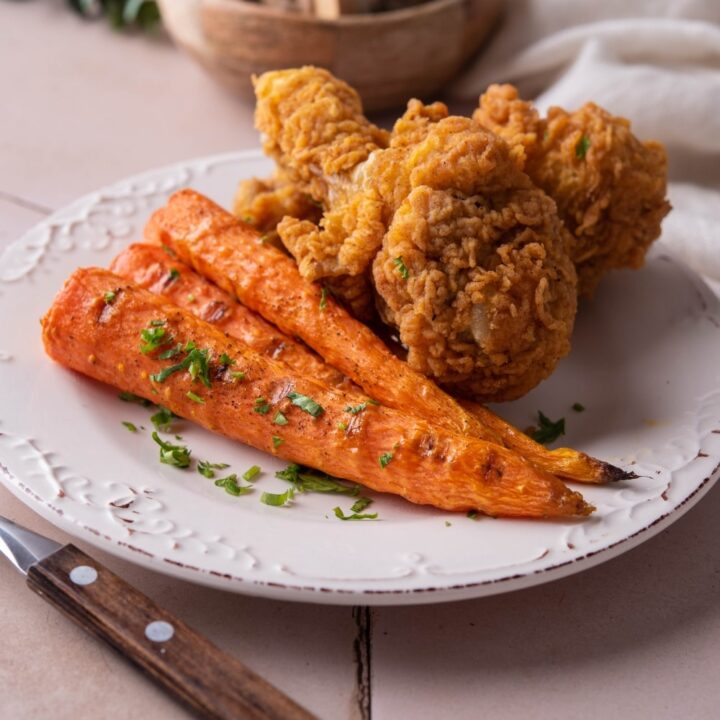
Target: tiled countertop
(638, 637)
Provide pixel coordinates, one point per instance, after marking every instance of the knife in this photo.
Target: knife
(187, 665)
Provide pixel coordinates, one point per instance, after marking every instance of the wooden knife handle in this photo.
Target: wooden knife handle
(185, 663)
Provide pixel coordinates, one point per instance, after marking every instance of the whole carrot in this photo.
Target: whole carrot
(117, 333)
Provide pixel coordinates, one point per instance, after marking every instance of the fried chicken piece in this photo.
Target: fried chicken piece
(468, 257)
(609, 187)
(264, 203)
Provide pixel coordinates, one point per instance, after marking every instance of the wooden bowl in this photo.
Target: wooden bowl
(388, 57)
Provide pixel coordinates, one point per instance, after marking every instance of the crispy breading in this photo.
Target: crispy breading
(609, 187)
(486, 298)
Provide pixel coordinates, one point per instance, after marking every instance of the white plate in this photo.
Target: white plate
(645, 364)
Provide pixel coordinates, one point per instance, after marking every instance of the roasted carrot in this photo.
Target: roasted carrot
(231, 254)
(152, 268)
(95, 326)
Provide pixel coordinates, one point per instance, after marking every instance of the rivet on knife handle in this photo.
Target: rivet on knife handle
(212, 683)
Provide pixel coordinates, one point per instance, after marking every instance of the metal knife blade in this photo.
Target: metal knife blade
(23, 547)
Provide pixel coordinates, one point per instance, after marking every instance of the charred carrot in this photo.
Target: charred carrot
(117, 333)
(230, 253)
(150, 267)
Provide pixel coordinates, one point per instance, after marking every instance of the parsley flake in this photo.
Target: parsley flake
(262, 407)
(175, 455)
(582, 146)
(130, 426)
(280, 419)
(306, 403)
(231, 486)
(195, 398)
(401, 268)
(171, 352)
(354, 516)
(174, 274)
(577, 407)
(153, 338)
(304, 479)
(277, 499)
(360, 504)
(277, 441)
(130, 398)
(323, 298)
(225, 360)
(207, 469)
(342, 426)
(547, 430)
(109, 297)
(162, 419)
(473, 514)
(251, 473)
(190, 298)
(237, 376)
(385, 459)
(356, 409)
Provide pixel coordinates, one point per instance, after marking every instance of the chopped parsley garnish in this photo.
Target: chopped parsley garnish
(547, 430)
(262, 407)
(356, 409)
(231, 486)
(196, 362)
(174, 273)
(323, 298)
(207, 469)
(195, 398)
(304, 479)
(277, 499)
(277, 441)
(190, 298)
(130, 426)
(582, 146)
(154, 337)
(248, 219)
(385, 459)
(473, 514)
(401, 268)
(158, 323)
(251, 473)
(577, 407)
(109, 297)
(175, 455)
(448, 523)
(280, 419)
(162, 419)
(355, 516)
(129, 397)
(169, 251)
(171, 352)
(237, 375)
(306, 403)
(342, 426)
(360, 504)
(225, 360)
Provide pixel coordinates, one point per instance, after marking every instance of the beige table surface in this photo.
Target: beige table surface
(638, 637)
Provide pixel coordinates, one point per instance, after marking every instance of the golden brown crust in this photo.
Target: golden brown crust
(487, 247)
(609, 187)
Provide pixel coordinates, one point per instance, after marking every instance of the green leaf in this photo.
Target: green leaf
(577, 407)
(401, 268)
(547, 430)
(280, 419)
(175, 455)
(251, 473)
(473, 514)
(109, 297)
(355, 516)
(323, 298)
(153, 338)
(306, 480)
(582, 146)
(130, 426)
(277, 441)
(195, 398)
(356, 409)
(225, 360)
(262, 407)
(385, 459)
(130, 398)
(360, 504)
(162, 419)
(207, 469)
(306, 403)
(277, 499)
(232, 487)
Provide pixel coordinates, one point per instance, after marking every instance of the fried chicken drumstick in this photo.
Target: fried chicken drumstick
(466, 256)
(609, 187)
(381, 448)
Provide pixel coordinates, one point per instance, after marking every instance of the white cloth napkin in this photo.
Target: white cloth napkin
(656, 62)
